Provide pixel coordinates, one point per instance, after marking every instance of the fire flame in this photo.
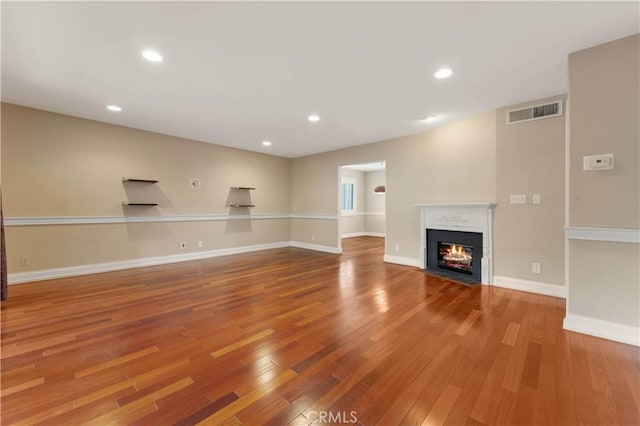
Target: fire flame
(457, 253)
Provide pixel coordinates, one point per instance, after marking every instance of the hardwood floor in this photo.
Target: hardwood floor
(294, 336)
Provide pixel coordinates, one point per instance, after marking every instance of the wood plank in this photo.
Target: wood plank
(511, 334)
(116, 361)
(468, 322)
(442, 407)
(236, 406)
(22, 386)
(241, 343)
(132, 382)
(208, 410)
(129, 412)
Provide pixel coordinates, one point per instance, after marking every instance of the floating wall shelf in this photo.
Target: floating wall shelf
(139, 180)
(247, 197)
(125, 180)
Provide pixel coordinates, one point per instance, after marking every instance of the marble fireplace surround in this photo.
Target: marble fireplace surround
(469, 217)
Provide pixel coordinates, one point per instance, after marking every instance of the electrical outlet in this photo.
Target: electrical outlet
(194, 183)
(397, 247)
(313, 237)
(536, 268)
(183, 245)
(536, 199)
(200, 244)
(25, 261)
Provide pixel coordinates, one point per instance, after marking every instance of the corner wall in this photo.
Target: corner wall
(604, 214)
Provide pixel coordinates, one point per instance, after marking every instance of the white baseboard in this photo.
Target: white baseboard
(530, 286)
(408, 261)
(363, 234)
(353, 234)
(316, 247)
(604, 329)
(72, 271)
(376, 234)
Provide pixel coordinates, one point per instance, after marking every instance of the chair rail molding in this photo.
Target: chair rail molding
(614, 235)
(82, 220)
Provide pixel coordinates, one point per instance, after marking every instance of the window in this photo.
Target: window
(348, 196)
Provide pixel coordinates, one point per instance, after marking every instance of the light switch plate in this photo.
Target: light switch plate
(518, 199)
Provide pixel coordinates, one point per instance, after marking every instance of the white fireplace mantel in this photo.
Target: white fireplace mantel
(470, 217)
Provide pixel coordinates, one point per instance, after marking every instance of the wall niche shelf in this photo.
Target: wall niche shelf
(124, 179)
(243, 188)
(242, 205)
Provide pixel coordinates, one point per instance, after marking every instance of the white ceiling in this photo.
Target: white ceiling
(236, 74)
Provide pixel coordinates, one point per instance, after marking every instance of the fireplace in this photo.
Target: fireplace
(455, 254)
(457, 240)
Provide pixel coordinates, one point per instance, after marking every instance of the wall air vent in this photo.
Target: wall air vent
(534, 112)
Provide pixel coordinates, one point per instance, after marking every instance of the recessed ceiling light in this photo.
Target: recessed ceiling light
(266, 143)
(314, 118)
(152, 56)
(443, 73)
(115, 108)
(431, 119)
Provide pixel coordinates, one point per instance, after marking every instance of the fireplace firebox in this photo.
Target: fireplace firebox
(455, 254)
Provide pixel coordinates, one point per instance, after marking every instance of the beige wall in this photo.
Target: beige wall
(604, 90)
(314, 191)
(530, 160)
(605, 281)
(604, 96)
(58, 246)
(322, 232)
(56, 165)
(418, 169)
(375, 203)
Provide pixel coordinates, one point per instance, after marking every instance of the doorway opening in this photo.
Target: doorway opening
(362, 200)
